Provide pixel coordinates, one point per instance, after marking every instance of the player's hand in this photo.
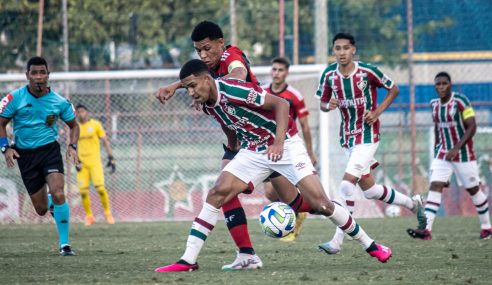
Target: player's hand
(275, 152)
(165, 93)
(72, 156)
(314, 161)
(451, 155)
(10, 156)
(333, 104)
(78, 166)
(111, 164)
(371, 117)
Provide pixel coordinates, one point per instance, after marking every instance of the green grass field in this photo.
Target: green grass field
(127, 253)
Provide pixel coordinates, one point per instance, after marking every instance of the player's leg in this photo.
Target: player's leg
(441, 172)
(97, 175)
(83, 181)
(237, 224)
(239, 175)
(312, 191)
(226, 187)
(290, 195)
(389, 195)
(467, 173)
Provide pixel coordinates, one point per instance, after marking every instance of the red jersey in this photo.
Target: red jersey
(294, 97)
(230, 55)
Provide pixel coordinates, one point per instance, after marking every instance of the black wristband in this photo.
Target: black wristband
(74, 146)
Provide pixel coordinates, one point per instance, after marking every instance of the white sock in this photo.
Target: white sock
(482, 205)
(388, 195)
(432, 206)
(201, 227)
(342, 219)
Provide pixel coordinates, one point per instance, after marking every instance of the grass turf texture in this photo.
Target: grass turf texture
(127, 253)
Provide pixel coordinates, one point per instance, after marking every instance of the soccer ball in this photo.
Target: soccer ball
(392, 211)
(277, 219)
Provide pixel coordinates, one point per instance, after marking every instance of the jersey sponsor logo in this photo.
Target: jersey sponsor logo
(5, 101)
(354, 132)
(361, 74)
(362, 85)
(239, 124)
(251, 96)
(50, 120)
(447, 124)
(356, 102)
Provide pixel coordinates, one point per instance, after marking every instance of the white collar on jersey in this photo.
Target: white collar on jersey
(353, 72)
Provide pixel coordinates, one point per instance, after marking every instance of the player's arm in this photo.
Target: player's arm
(165, 93)
(74, 138)
(372, 116)
(306, 134)
(470, 130)
(281, 109)
(436, 136)
(232, 142)
(237, 70)
(10, 153)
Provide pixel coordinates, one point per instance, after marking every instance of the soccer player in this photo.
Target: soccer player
(297, 110)
(34, 110)
(230, 62)
(90, 166)
(353, 84)
(454, 128)
(269, 142)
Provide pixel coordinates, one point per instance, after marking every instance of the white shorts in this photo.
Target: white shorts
(253, 167)
(361, 159)
(466, 172)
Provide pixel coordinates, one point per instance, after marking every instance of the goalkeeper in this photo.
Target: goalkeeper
(90, 167)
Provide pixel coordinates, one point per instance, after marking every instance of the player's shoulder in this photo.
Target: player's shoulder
(58, 97)
(331, 68)
(460, 97)
(435, 101)
(296, 93)
(231, 52)
(368, 66)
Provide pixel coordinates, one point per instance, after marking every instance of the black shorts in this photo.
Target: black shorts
(35, 164)
(230, 154)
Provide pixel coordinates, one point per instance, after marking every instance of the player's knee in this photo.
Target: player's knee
(437, 185)
(41, 209)
(347, 189)
(270, 194)
(100, 190)
(473, 190)
(58, 196)
(322, 207)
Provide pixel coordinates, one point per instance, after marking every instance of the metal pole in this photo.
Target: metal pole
(295, 52)
(232, 11)
(66, 63)
(321, 50)
(411, 84)
(281, 40)
(39, 46)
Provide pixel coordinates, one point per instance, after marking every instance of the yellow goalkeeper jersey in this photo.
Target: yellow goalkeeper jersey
(88, 146)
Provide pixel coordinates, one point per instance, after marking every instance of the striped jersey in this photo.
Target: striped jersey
(239, 108)
(449, 121)
(229, 60)
(294, 97)
(356, 94)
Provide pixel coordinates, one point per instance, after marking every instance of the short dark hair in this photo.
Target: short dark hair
(81, 106)
(37, 60)
(195, 67)
(345, 36)
(443, 74)
(281, 60)
(206, 29)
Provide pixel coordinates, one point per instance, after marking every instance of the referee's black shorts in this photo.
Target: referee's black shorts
(35, 164)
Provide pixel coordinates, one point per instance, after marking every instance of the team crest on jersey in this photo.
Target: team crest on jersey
(251, 96)
(50, 120)
(362, 85)
(230, 110)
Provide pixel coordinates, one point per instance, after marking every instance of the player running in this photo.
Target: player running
(454, 128)
(230, 62)
(269, 142)
(35, 110)
(353, 84)
(90, 166)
